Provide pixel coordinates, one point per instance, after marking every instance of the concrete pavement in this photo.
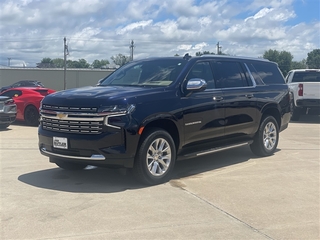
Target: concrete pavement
(226, 195)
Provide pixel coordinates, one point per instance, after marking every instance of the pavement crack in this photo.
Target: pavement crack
(228, 214)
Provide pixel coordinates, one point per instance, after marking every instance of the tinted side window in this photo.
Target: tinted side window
(202, 70)
(229, 75)
(269, 73)
(12, 93)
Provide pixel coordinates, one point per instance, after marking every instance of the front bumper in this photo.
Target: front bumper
(7, 118)
(106, 149)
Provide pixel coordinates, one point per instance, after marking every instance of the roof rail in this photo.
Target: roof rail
(236, 57)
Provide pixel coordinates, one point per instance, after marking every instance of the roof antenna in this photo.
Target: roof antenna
(187, 56)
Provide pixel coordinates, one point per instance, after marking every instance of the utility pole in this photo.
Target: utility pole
(9, 62)
(218, 48)
(131, 50)
(65, 53)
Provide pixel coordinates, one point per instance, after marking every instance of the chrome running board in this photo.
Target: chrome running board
(217, 149)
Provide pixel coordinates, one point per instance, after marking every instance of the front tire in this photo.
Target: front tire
(155, 158)
(266, 139)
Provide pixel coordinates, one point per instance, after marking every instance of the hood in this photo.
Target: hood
(101, 96)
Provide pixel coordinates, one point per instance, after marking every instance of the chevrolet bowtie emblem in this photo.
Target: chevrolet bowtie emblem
(62, 115)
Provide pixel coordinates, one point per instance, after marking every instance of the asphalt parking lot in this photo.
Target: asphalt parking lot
(226, 195)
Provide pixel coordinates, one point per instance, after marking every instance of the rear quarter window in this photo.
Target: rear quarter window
(266, 73)
(12, 93)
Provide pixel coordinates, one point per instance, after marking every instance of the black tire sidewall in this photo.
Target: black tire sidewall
(32, 122)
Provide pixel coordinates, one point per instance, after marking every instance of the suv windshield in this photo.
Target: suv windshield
(159, 72)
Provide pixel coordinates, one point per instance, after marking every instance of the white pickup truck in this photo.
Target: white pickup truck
(305, 87)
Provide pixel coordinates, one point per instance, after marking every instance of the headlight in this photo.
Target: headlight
(114, 115)
(116, 109)
(9, 102)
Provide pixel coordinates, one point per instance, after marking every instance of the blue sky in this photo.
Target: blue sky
(307, 11)
(98, 29)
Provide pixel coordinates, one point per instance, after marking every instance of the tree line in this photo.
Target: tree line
(285, 63)
(117, 60)
(284, 60)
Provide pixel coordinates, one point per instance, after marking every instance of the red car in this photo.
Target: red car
(28, 102)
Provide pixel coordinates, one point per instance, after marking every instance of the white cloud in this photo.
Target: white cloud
(184, 47)
(262, 13)
(205, 21)
(141, 9)
(99, 29)
(79, 7)
(200, 46)
(133, 26)
(271, 14)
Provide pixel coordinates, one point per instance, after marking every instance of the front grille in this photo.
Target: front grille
(69, 109)
(71, 122)
(83, 127)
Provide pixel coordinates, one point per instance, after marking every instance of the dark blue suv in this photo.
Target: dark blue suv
(152, 112)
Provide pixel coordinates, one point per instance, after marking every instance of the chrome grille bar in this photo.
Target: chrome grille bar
(71, 122)
(71, 109)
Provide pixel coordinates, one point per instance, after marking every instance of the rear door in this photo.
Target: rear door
(239, 99)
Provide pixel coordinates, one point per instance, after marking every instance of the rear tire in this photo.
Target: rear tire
(155, 158)
(31, 115)
(266, 139)
(71, 166)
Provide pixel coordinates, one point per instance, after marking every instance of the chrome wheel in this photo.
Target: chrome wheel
(266, 139)
(158, 157)
(270, 135)
(155, 157)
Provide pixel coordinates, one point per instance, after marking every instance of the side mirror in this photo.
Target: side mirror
(196, 85)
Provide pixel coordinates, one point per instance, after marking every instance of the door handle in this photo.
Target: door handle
(249, 95)
(218, 99)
